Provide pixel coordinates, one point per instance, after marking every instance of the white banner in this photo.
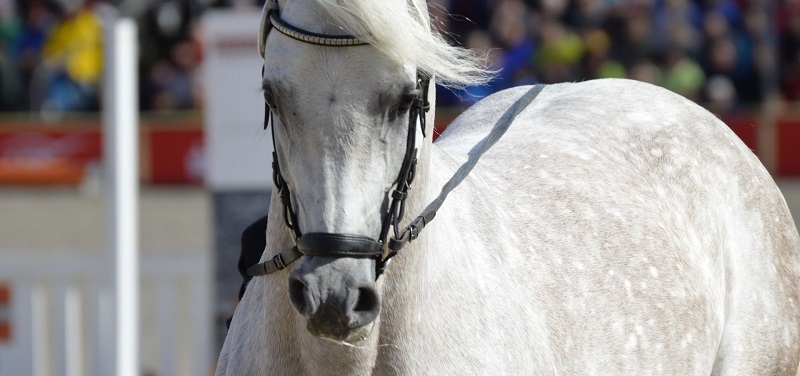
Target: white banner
(239, 150)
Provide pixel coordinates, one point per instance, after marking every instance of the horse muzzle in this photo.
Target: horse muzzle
(337, 296)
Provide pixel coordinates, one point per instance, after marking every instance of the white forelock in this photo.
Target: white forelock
(403, 33)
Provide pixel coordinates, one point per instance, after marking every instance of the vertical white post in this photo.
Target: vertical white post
(66, 329)
(168, 326)
(73, 333)
(121, 155)
(201, 315)
(40, 328)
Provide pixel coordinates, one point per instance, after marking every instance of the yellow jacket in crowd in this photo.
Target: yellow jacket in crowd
(76, 44)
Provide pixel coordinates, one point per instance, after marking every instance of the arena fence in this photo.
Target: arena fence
(59, 312)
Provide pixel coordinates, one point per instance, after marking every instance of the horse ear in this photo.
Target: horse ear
(269, 6)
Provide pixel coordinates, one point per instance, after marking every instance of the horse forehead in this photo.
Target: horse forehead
(364, 66)
(307, 15)
(302, 63)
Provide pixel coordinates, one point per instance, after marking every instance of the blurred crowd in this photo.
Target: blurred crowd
(52, 55)
(727, 54)
(52, 58)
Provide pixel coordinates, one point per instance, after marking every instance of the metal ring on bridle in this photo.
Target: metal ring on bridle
(314, 38)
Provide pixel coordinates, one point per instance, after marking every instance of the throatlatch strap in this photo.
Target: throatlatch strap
(501, 126)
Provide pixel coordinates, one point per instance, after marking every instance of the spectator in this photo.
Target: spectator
(172, 80)
(73, 59)
(480, 41)
(560, 53)
(646, 71)
(170, 56)
(721, 95)
(683, 75)
(23, 45)
(790, 49)
(510, 33)
(598, 63)
(10, 28)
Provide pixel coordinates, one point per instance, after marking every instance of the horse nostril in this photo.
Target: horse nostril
(297, 295)
(367, 302)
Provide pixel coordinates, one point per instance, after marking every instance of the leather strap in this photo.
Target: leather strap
(500, 127)
(339, 245)
(311, 37)
(279, 262)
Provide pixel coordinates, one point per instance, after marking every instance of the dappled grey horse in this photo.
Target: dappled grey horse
(604, 227)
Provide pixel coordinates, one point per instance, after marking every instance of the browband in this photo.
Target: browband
(313, 38)
(270, 18)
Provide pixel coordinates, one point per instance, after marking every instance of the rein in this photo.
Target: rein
(358, 246)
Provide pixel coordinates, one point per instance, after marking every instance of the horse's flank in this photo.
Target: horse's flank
(656, 239)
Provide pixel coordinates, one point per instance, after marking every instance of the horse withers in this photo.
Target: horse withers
(614, 228)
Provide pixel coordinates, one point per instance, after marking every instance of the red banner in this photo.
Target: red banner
(789, 147)
(176, 156)
(5, 312)
(47, 157)
(744, 127)
(172, 152)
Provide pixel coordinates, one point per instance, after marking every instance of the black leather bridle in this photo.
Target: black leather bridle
(358, 246)
(338, 244)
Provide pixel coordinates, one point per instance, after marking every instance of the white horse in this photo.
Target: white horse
(616, 228)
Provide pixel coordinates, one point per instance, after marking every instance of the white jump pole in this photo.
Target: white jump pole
(121, 158)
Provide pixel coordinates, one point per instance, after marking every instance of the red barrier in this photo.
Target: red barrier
(788, 144)
(176, 156)
(36, 156)
(745, 127)
(5, 313)
(32, 153)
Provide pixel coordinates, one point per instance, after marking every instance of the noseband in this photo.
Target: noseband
(359, 246)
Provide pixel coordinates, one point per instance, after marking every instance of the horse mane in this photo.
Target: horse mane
(401, 31)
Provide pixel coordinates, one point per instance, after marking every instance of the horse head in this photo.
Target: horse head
(348, 102)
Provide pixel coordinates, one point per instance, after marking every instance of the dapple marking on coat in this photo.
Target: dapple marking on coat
(616, 228)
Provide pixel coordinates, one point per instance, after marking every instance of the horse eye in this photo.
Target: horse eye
(407, 100)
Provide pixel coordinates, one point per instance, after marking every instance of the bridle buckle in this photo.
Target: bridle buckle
(278, 261)
(414, 232)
